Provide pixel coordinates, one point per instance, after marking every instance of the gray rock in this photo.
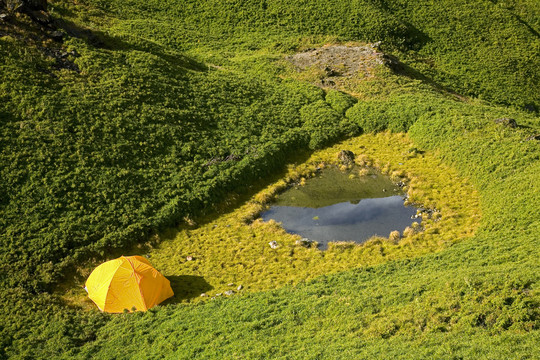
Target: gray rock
(338, 60)
(229, 292)
(376, 45)
(346, 157)
(508, 122)
(304, 242)
(273, 244)
(240, 287)
(203, 295)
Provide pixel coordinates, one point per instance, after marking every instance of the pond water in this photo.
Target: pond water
(342, 206)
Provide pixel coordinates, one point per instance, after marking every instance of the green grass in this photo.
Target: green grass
(179, 104)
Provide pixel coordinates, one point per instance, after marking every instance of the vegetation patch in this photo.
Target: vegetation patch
(218, 253)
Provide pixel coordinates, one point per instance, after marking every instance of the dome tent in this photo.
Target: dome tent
(127, 283)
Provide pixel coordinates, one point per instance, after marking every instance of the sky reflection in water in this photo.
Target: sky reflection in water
(344, 221)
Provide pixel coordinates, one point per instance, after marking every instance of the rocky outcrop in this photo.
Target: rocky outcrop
(36, 9)
(339, 60)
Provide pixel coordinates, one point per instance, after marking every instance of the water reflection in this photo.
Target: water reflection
(363, 208)
(344, 221)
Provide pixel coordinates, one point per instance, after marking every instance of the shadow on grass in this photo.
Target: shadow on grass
(234, 197)
(187, 287)
(403, 69)
(102, 40)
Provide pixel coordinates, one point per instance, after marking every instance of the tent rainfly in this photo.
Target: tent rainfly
(127, 283)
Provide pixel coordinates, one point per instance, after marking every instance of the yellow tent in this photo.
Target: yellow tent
(127, 283)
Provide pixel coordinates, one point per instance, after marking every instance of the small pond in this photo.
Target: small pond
(342, 206)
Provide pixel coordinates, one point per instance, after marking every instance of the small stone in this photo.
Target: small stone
(229, 292)
(240, 287)
(376, 45)
(219, 294)
(508, 122)
(230, 284)
(203, 295)
(189, 258)
(346, 157)
(304, 242)
(58, 36)
(273, 244)
(533, 137)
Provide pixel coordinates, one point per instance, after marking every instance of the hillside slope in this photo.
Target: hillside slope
(148, 113)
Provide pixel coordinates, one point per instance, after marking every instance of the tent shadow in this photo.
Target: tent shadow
(187, 287)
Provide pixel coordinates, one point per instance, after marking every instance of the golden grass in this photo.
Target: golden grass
(234, 247)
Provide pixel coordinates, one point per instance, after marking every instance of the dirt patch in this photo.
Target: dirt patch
(340, 60)
(334, 62)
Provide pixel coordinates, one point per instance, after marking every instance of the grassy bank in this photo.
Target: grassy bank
(477, 298)
(227, 248)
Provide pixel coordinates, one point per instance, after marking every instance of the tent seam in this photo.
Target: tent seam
(140, 290)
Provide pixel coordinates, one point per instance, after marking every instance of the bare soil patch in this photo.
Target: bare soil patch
(335, 62)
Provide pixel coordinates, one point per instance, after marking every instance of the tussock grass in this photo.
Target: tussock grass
(232, 249)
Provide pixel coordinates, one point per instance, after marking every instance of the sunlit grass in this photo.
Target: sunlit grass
(230, 249)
